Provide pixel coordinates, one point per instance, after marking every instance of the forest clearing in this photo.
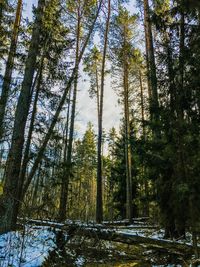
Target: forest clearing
(99, 133)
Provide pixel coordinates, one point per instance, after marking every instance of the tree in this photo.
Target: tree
(6, 20)
(83, 183)
(93, 66)
(151, 68)
(9, 199)
(81, 12)
(176, 101)
(124, 50)
(62, 101)
(99, 204)
(78, 10)
(9, 66)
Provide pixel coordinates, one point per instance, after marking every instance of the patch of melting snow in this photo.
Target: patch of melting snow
(80, 261)
(158, 234)
(26, 249)
(32, 221)
(132, 232)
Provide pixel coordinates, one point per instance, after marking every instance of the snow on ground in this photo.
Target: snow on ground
(28, 248)
(154, 233)
(157, 234)
(80, 261)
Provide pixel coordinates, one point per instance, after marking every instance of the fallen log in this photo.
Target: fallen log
(106, 224)
(125, 222)
(54, 224)
(25, 221)
(131, 239)
(135, 227)
(99, 232)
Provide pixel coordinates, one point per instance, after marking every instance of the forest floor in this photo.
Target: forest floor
(37, 245)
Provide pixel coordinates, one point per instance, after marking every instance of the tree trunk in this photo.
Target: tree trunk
(129, 206)
(181, 168)
(152, 78)
(97, 88)
(146, 186)
(168, 176)
(67, 168)
(9, 67)
(99, 202)
(35, 189)
(9, 199)
(30, 132)
(65, 138)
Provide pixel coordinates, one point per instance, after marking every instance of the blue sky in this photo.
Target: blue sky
(28, 7)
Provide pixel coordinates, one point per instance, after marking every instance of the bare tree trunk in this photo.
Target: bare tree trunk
(30, 132)
(9, 199)
(99, 202)
(9, 67)
(98, 100)
(64, 186)
(129, 206)
(142, 104)
(152, 78)
(36, 187)
(67, 169)
(65, 139)
(182, 166)
(146, 186)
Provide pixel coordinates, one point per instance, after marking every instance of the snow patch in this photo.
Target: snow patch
(80, 261)
(28, 248)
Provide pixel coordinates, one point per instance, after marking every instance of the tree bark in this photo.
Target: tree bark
(99, 201)
(67, 169)
(9, 199)
(9, 67)
(146, 186)
(65, 139)
(181, 168)
(152, 77)
(30, 132)
(35, 189)
(128, 160)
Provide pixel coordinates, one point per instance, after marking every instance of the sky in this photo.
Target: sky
(86, 107)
